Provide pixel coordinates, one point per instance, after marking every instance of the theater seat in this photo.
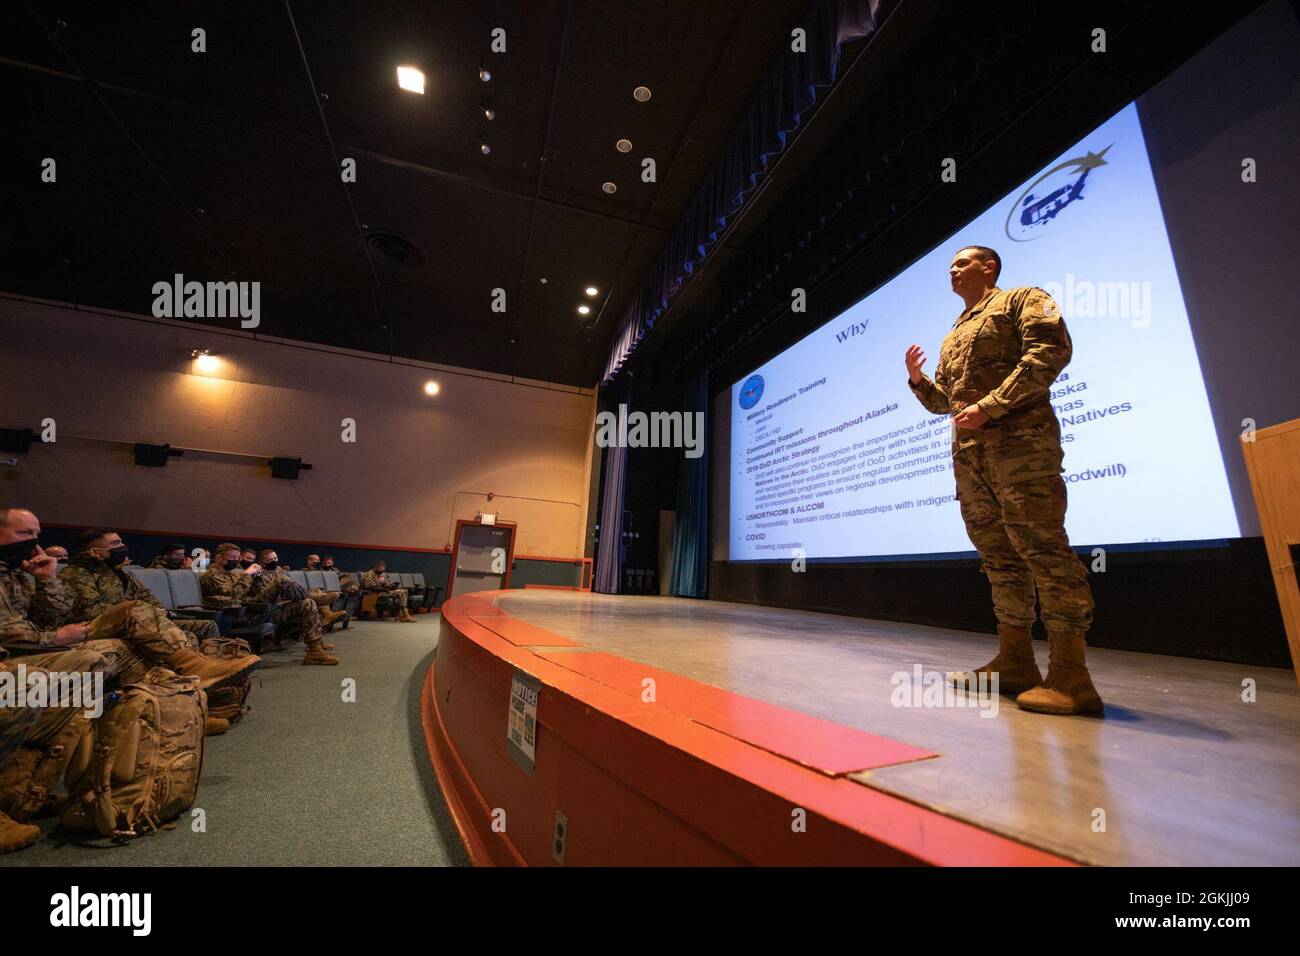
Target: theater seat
(418, 579)
(414, 591)
(188, 598)
(155, 579)
(348, 602)
(299, 577)
(316, 581)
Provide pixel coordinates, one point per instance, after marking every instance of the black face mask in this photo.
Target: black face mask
(116, 557)
(245, 564)
(174, 563)
(271, 565)
(231, 565)
(327, 567)
(13, 555)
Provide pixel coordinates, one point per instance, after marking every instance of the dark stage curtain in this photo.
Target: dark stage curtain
(609, 546)
(691, 541)
(792, 87)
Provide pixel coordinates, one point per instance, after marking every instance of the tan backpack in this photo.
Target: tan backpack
(148, 755)
(229, 702)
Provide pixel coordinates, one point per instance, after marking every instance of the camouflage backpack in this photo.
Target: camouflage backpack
(29, 784)
(230, 702)
(148, 755)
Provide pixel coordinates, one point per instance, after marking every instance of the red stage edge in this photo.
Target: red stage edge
(631, 783)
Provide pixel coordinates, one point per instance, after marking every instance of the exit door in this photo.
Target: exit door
(481, 557)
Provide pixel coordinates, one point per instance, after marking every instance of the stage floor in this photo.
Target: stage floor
(1184, 771)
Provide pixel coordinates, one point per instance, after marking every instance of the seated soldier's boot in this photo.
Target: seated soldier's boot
(1068, 688)
(406, 617)
(316, 654)
(211, 671)
(1014, 664)
(215, 725)
(15, 835)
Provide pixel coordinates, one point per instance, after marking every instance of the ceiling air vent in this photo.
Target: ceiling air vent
(395, 251)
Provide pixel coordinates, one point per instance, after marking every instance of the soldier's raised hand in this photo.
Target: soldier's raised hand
(915, 359)
(41, 565)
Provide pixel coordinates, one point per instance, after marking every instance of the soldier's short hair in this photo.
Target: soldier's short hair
(225, 546)
(169, 548)
(85, 540)
(261, 555)
(985, 255)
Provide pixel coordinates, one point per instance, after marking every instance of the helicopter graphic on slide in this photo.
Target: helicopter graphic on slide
(1036, 211)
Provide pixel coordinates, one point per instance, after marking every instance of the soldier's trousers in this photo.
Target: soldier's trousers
(1013, 502)
(148, 638)
(197, 631)
(40, 725)
(299, 620)
(402, 596)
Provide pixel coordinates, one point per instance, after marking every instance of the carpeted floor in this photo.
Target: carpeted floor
(307, 779)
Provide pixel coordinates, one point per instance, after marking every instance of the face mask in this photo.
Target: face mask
(271, 565)
(245, 564)
(231, 565)
(116, 557)
(174, 563)
(327, 567)
(16, 553)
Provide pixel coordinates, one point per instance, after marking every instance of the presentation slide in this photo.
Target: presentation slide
(832, 456)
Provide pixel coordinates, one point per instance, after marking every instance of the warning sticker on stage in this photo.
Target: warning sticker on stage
(521, 725)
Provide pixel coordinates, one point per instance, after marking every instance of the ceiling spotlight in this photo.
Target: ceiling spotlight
(584, 309)
(623, 146)
(641, 94)
(609, 188)
(543, 280)
(431, 387)
(484, 148)
(489, 113)
(409, 78)
(484, 74)
(592, 290)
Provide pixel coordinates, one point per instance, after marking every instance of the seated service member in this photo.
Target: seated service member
(374, 580)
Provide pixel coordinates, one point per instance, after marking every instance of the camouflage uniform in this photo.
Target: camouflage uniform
(38, 726)
(133, 634)
(297, 615)
(95, 587)
(370, 581)
(1003, 355)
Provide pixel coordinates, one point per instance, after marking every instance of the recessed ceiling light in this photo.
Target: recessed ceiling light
(409, 78)
(204, 363)
(489, 113)
(609, 188)
(641, 94)
(623, 146)
(592, 290)
(584, 309)
(484, 74)
(543, 280)
(431, 387)
(484, 148)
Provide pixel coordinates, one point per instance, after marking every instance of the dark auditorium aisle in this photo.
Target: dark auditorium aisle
(306, 779)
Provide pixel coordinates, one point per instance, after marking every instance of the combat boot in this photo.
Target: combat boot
(406, 617)
(211, 671)
(1014, 664)
(15, 835)
(316, 654)
(215, 725)
(1068, 688)
(329, 618)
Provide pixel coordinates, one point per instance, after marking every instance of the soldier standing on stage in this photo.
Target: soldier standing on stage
(996, 367)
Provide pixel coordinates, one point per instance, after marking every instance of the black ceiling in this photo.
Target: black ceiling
(217, 165)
